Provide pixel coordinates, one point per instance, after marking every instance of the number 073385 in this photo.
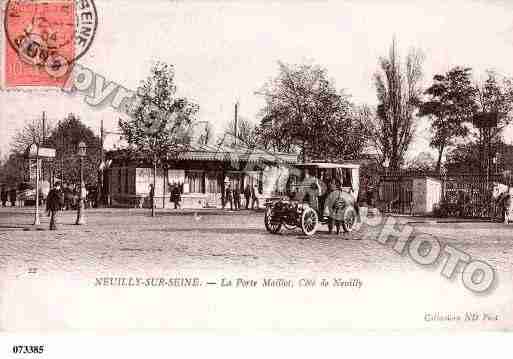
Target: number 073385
(28, 349)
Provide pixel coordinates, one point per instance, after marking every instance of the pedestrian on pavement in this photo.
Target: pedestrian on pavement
(175, 196)
(247, 194)
(152, 195)
(254, 197)
(12, 197)
(236, 198)
(228, 197)
(4, 196)
(54, 203)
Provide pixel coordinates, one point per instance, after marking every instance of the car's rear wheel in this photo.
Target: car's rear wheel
(309, 221)
(350, 219)
(272, 227)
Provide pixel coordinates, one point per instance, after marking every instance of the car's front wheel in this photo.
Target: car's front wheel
(309, 221)
(270, 225)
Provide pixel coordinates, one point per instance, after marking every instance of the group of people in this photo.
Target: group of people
(8, 195)
(233, 197)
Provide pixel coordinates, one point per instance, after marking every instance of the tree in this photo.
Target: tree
(13, 170)
(31, 132)
(246, 131)
(398, 92)
(464, 158)
(422, 162)
(494, 96)
(450, 104)
(305, 112)
(65, 138)
(160, 125)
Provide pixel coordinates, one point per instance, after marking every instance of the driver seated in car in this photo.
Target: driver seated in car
(312, 190)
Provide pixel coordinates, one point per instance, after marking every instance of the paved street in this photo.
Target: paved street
(118, 239)
(216, 244)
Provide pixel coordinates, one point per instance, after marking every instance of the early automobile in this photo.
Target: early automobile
(308, 203)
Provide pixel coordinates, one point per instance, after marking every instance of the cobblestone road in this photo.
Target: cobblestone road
(131, 240)
(211, 245)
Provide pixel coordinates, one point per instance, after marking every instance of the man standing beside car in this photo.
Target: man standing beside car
(54, 203)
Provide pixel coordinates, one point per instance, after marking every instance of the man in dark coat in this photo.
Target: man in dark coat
(4, 196)
(12, 197)
(236, 197)
(254, 197)
(54, 203)
(152, 196)
(228, 197)
(247, 194)
(175, 196)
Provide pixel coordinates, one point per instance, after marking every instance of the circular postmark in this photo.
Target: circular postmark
(50, 34)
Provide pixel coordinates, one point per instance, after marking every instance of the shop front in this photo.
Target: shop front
(201, 174)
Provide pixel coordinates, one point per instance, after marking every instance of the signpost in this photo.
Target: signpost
(82, 152)
(36, 152)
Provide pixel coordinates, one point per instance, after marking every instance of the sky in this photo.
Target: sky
(225, 51)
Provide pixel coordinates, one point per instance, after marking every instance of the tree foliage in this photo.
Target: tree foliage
(12, 171)
(65, 139)
(422, 162)
(246, 131)
(494, 95)
(398, 91)
(31, 132)
(305, 112)
(450, 105)
(464, 158)
(160, 125)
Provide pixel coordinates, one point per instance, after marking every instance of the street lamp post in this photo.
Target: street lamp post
(82, 151)
(37, 220)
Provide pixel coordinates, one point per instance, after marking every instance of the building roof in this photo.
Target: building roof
(235, 153)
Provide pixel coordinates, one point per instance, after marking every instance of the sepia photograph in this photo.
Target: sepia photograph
(255, 166)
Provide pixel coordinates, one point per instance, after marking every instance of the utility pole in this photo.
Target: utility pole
(236, 121)
(44, 127)
(62, 157)
(99, 197)
(43, 140)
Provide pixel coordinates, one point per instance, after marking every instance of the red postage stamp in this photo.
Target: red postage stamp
(44, 38)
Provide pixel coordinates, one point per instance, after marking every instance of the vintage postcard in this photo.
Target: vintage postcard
(276, 166)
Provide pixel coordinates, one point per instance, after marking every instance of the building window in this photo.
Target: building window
(196, 181)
